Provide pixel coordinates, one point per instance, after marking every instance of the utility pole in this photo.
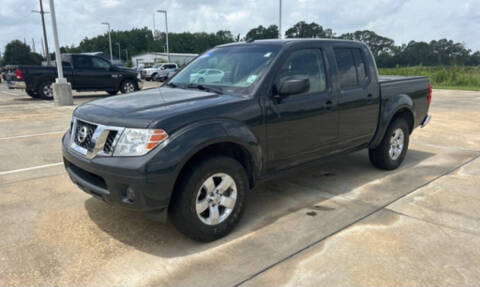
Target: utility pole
(43, 47)
(119, 52)
(126, 55)
(33, 45)
(166, 30)
(153, 31)
(280, 20)
(62, 91)
(44, 31)
(109, 40)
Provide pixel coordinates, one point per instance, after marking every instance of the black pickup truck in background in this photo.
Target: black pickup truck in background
(84, 72)
(194, 149)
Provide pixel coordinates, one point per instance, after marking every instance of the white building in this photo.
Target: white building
(148, 59)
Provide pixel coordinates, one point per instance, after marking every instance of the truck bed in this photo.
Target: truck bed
(414, 87)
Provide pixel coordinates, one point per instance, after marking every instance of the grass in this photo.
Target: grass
(446, 77)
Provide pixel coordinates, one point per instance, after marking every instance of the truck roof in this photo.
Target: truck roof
(284, 42)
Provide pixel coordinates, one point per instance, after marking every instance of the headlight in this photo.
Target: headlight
(136, 142)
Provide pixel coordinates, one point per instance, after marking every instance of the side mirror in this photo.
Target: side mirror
(293, 86)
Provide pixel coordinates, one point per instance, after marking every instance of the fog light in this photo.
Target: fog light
(130, 194)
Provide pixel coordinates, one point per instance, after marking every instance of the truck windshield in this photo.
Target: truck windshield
(231, 68)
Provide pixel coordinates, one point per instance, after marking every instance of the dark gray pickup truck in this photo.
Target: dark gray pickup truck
(83, 71)
(194, 149)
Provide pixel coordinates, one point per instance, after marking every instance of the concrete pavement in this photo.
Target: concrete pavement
(336, 223)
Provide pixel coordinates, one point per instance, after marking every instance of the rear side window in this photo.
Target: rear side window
(82, 62)
(346, 68)
(361, 66)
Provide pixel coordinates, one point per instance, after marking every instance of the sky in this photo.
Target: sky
(401, 20)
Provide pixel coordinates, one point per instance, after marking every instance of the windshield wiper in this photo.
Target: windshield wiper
(205, 88)
(172, 85)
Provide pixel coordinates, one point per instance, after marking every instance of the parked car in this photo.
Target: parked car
(195, 150)
(162, 77)
(158, 71)
(83, 72)
(207, 76)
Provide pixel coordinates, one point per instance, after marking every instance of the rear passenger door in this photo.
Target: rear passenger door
(358, 101)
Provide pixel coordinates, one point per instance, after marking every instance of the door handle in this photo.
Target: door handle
(328, 105)
(370, 98)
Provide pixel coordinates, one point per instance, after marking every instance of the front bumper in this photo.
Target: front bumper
(120, 181)
(16, 85)
(140, 84)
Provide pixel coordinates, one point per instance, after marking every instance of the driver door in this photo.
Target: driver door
(301, 126)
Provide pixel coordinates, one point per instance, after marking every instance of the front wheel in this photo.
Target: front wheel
(392, 150)
(210, 199)
(128, 86)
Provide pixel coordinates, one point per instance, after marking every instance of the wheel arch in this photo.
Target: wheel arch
(399, 106)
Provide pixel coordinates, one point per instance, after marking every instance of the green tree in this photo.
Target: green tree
(17, 53)
(305, 30)
(378, 44)
(270, 32)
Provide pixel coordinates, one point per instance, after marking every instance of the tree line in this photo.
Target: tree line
(136, 41)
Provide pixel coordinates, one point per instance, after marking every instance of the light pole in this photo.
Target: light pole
(62, 91)
(166, 31)
(280, 20)
(44, 31)
(126, 55)
(109, 40)
(119, 53)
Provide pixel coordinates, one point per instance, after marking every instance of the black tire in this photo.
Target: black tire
(45, 91)
(381, 156)
(112, 93)
(128, 86)
(154, 76)
(183, 205)
(32, 93)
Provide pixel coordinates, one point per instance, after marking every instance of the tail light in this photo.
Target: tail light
(18, 74)
(429, 97)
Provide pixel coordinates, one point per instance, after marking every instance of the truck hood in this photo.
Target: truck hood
(141, 108)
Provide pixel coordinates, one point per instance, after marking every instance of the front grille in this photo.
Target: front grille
(108, 147)
(83, 135)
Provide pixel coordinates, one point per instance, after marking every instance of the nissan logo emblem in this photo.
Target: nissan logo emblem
(82, 134)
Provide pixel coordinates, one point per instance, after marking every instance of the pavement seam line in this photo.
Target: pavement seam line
(30, 168)
(32, 135)
(431, 222)
(354, 222)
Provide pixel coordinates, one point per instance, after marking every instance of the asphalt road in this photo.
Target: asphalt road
(336, 223)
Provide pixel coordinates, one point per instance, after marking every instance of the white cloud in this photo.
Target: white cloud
(402, 20)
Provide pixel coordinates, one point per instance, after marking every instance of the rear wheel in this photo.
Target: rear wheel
(128, 86)
(210, 199)
(392, 150)
(45, 91)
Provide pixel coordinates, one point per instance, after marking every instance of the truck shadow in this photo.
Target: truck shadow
(306, 188)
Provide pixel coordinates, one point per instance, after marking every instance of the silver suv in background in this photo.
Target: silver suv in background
(159, 71)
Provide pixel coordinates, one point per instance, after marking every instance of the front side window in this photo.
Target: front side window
(100, 64)
(234, 68)
(306, 63)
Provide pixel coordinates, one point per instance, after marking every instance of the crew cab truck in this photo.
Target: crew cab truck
(84, 72)
(194, 150)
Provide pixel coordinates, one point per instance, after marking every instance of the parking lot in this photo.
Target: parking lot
(339, 222)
